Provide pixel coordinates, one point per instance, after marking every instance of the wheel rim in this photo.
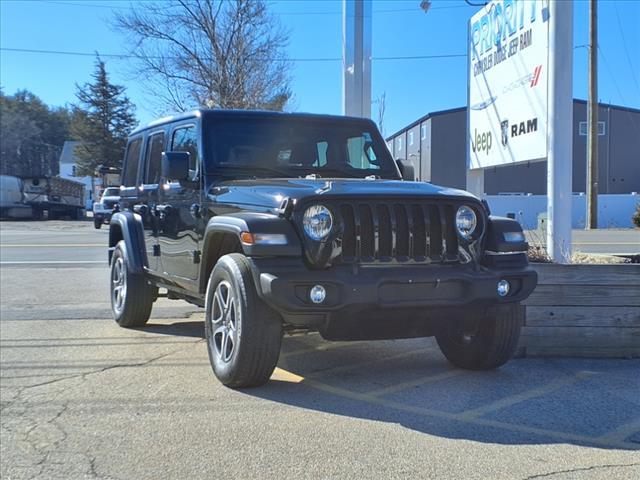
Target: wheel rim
(224, 322)
(118, 284)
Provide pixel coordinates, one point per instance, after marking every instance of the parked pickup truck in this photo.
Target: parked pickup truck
(279, 223)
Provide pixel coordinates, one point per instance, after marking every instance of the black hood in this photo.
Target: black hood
(270, 193)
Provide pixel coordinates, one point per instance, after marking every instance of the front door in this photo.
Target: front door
(181, 226)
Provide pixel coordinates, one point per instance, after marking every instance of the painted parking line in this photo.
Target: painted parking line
(552, 386)
(621, 433)
(367, 363)
(321, 347)
(607, 440)
(415, 383)
(281, 375)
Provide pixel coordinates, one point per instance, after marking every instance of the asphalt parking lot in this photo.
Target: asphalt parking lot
(83, 398)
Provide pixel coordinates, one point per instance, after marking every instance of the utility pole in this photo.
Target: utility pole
(592, 120)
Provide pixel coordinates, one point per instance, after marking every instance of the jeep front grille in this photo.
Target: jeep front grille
(399, 232)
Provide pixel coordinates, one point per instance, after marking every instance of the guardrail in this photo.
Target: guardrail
(583, 311)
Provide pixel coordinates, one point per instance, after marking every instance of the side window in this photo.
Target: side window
(131, 161)
(185, 139)
(155, 146)
(322, 154)
(361, 154)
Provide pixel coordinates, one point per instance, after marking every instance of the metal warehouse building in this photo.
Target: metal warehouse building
(436, 145)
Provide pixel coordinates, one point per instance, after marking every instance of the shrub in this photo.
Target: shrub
(635, 218)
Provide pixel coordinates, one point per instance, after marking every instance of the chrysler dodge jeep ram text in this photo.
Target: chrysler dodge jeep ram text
(279, 223)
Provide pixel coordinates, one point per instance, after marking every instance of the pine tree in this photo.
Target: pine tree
(101, 121)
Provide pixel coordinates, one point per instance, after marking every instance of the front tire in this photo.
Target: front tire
(243, 334)
(97, 223)
(484, 343)
(131, 295)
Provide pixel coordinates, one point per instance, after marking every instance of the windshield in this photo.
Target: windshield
(111, 192)
(296, 148)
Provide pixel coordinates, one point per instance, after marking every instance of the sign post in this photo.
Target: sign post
(520, 101)
(356, 58)
(560, 156)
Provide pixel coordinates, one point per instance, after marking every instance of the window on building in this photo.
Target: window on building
(411, 138)
(583, 130)
(400, 144)
(153, 161)
(423, 135)
(185, 139)
(132, 159)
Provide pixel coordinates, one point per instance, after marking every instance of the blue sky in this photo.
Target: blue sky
(413, 87)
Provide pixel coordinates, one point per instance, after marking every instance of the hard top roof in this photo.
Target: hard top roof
(218, 113)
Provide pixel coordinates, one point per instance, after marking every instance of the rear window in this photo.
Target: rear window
(131, 161)
(155, 146)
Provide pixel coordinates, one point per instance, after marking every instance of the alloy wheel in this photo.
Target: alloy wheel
(224, 321)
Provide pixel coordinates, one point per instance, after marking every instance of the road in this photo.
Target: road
(604, 241)
(83, 398)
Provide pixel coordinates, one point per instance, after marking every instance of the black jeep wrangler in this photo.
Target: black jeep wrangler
(280, 223)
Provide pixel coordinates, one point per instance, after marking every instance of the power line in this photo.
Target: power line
(615, 83)
(320, 59)
(335, 12)
(626, 50)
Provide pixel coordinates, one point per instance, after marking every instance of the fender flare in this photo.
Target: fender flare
(495, 240)
(128, 226)
(252, 222)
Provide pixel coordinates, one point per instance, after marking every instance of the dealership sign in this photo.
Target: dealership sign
(508, 83)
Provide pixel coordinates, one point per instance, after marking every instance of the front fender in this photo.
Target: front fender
(128, 226)
(254, 222)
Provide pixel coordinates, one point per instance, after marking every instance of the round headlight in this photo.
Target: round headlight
(466, 221)
(317, 222)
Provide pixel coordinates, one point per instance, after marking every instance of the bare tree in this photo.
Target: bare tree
(213, 53)
(382, 106)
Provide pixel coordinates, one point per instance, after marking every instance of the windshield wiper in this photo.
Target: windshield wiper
(250, 170)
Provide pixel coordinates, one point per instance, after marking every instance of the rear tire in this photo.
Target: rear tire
(243, 333)
(131, 295)
(485, 343)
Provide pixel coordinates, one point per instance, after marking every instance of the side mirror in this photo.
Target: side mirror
(407, 170)
(175, 166)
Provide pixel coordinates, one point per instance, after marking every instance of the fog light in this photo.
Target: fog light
(317, 294)
(503, 288)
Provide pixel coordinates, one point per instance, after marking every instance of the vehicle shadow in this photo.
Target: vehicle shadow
(180, 329)
(528, 401)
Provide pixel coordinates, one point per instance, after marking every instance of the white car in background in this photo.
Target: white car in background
(103, 208)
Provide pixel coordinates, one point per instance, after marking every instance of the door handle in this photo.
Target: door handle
(163, 209)
(141, 210)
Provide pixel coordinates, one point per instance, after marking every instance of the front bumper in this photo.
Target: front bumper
(285, 285)
(102, 213)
